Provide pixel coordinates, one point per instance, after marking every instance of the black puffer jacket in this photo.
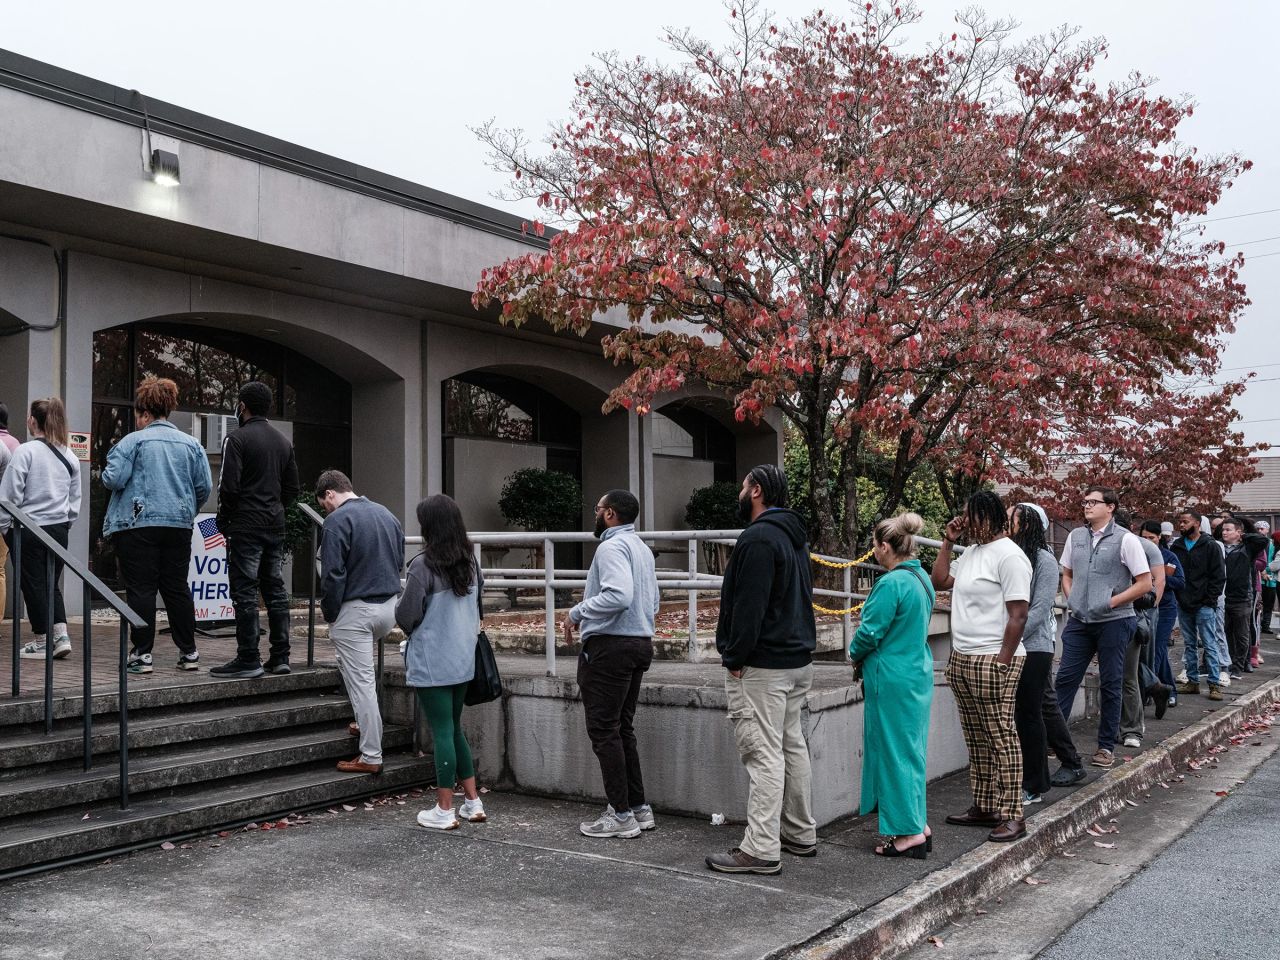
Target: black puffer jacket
(766, 603)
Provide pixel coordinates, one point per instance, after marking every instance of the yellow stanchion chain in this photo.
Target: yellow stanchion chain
(839, 566)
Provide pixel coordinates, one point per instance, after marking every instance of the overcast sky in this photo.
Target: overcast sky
(395, 86)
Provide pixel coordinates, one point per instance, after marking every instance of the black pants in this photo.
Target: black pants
(1057, 734)
(35, 576)
(1028, 717)
(253, 564)
(609, 674)
(1239, 634)
(1268, 604)
(156, 559)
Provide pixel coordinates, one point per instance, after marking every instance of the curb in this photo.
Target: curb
(901, 920)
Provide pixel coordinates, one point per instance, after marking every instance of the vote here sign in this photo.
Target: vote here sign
(207, 573)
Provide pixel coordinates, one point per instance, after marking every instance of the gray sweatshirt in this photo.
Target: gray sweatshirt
(621, 598)
(36, 482)
(1042, 628)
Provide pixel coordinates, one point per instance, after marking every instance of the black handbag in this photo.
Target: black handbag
(486, 684)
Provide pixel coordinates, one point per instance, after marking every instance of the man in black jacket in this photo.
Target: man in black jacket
(1242, 548)
(1204, 574)
(259, 477)
(766, 636)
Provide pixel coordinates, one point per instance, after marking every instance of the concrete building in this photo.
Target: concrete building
(346, 289)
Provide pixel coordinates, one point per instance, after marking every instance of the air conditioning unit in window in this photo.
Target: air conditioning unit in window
(211, 429)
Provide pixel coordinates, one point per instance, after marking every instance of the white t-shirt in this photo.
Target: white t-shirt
(987, 575)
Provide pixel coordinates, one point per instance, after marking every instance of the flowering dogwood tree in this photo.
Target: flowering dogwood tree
(970, 255)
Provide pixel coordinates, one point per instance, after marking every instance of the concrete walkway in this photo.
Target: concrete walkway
(369, 883)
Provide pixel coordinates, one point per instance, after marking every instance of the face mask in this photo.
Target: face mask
(241, 413)
(744, 509)
(601, 526)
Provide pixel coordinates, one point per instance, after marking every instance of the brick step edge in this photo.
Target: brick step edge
(900, 921)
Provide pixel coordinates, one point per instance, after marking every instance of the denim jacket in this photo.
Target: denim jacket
(158, 477)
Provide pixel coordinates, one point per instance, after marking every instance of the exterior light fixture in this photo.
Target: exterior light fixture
(164, 168)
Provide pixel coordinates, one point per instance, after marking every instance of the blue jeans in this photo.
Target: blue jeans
(1109, 642)
(1200, 630)
(253, 564)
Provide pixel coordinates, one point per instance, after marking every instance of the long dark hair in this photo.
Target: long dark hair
(1029, 532)
(446, 548)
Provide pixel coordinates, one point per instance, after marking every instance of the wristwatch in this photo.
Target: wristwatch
(1003, 667)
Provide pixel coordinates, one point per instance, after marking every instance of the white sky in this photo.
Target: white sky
(395, 85)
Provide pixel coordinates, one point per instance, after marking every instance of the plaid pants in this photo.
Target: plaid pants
(986, 698)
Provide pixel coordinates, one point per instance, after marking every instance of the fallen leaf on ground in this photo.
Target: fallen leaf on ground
(1131, 803)
(224, 833)
(1034, 881)
(1091, 831)
(936, 941)
(980, 912)
(1104, 846)
(1222, 793)
(1068, 853)
(86, 817)
(167, 846)
(347, 807)
(484, 789)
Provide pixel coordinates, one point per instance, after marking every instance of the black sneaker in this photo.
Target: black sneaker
(800, 849)
(237, 669)
(1068, 776)
(138, 662)
(189, 661)
(275, 666)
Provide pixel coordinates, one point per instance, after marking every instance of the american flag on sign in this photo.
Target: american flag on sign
(209, 530)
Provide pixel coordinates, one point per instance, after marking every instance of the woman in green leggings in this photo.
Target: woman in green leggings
(439, 612)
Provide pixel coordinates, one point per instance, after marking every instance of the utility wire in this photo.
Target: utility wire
(1251, 242)
(1238, 216)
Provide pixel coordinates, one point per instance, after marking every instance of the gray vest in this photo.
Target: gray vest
(1097, 575)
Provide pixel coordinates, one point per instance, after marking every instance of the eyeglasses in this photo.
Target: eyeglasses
(1091, 503)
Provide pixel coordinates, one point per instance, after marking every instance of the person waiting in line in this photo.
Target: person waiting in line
(1027, 526)
(1243, 545)
(617, 616)
(1104, 569)
(1268, 579)
(1140, 681)
(766, 635)
(1159, 532)
(259, 479)
(990, 588)
(158, 477)
(43, 480)
(1205, 577)
(8, 444)
(439, 612)
(891, 650)
(361, 554)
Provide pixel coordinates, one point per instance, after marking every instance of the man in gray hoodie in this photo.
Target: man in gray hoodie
(617, 616)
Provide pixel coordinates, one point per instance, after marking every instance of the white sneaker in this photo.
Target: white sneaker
(1132, 741)
(644, 817)
(473, 811)
(1224, 678)
(32, 651)
(61, 647)
(438, 818)
(611, 824)
(1182, 677)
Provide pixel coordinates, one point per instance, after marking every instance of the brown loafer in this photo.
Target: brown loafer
(358, 766)
(973, 817)
(353, 729)
(1009, 830)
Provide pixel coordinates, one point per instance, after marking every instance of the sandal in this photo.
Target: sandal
(917, 851)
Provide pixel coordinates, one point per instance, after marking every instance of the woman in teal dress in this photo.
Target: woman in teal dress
(891, 647)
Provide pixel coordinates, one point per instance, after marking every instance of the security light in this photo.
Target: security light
(164, 168)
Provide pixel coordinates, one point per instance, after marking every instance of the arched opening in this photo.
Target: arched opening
(313, 404)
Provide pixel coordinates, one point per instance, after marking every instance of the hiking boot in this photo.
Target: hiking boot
(473, 811)
(644, 817)
(1189, 687)
(1103, 758)
(138, 662)
(437, 818)
(1068, 776)
(611, 824)
(1215, 693)
(189, 661)
(735, 861)
(278, 667)
(237, 669)
(800, 849)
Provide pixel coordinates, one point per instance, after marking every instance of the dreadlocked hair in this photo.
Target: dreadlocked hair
(985, 510)
(772, 483)
(1029, 532)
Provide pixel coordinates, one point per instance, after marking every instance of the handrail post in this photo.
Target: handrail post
(50, 593)
(548, 569)
(16, 593)
(311, 599)
(123, 714)
(693, 601)
(88, 676)
(847, 619)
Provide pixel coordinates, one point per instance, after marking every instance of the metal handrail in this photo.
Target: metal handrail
(92, 586)
(317, 524)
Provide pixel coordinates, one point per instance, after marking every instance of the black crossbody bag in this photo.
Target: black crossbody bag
(486, 683)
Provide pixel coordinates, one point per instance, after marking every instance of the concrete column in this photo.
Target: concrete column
(606, 459)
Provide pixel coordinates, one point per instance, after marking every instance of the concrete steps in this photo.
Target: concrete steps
(202, 753)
